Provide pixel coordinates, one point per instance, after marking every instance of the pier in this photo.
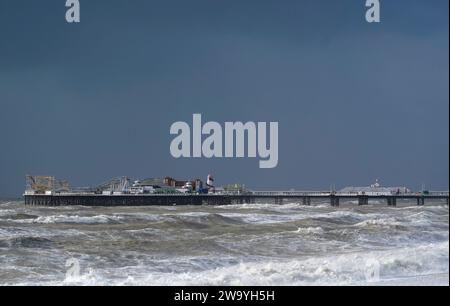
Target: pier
(275, 197)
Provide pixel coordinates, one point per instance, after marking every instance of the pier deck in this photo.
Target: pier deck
(224, 199)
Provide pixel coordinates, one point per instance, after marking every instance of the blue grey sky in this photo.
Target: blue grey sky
(354, 101)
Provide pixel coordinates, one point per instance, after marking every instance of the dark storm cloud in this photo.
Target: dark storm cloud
(355, 101)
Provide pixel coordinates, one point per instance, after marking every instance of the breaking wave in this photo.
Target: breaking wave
(401, 265)
(25, 242)
(310, 230)
(246, 244)
(75, 219)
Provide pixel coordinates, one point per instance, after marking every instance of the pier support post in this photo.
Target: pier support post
(392, 201)
(307, 201)
(334, 201)
(421, 201)
(363, 200)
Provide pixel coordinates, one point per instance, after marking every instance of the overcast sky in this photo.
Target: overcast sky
(354, 101)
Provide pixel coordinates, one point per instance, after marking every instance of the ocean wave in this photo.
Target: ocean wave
(287, 207)
(330, 270)
(26, 242)
(432, 208)
(382, 222)
(204, 219)
(131, 217)
(6, 212)
(73, 219)
(258, 206)
(254, 218)
(333, 269)
(275, 245)
(310, 230)
(345, 217)
(18, 216)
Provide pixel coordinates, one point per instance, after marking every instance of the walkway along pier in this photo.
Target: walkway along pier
(305, 198)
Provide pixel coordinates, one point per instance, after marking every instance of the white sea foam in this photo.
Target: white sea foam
(7, 212)
(264, 218)
(310, 230)
(99, 219)
(189, 214)
(382, 222)
(340, 269)
(276, 245)
(138, 216)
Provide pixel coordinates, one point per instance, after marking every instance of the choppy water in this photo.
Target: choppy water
(258, 244)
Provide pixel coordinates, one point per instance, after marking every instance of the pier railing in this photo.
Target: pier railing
(343, 194)
(290, 193)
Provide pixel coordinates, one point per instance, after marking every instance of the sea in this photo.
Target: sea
(249, 244)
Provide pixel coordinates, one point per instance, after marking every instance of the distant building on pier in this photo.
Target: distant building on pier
(375, 190)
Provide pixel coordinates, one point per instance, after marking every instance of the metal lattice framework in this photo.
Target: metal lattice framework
(118, 184)
(42, 184)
